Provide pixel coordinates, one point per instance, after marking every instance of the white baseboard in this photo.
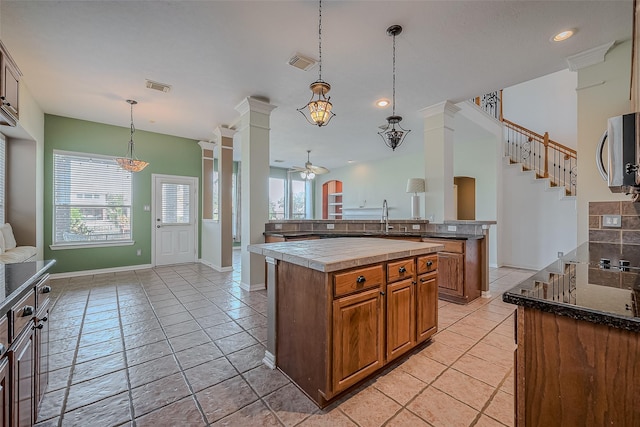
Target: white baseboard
(255, 287)
(215, 267)
(100, 271)
(269, 360)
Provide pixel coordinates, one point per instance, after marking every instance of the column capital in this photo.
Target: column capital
(207, 145)
(223, 132)
(253, 104)
(446, 107)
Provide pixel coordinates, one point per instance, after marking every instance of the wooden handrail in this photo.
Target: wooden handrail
(546, 141)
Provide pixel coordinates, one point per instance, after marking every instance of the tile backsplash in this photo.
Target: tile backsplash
(629, 230)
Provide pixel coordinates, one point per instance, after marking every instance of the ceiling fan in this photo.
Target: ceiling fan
(309, 171)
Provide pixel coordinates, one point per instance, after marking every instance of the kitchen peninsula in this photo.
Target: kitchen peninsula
(340, 309)
(578, 339)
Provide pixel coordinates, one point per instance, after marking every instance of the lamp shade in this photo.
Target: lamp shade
(415, 185)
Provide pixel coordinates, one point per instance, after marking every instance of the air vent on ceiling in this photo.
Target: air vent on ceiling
(162, 87)
(303, 62)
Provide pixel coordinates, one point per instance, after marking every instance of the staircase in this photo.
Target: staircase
(538, 217)
(546, 157)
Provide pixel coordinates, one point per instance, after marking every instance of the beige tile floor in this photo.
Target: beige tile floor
(182, 346)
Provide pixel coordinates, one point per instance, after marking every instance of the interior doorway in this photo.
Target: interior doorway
(465, 197)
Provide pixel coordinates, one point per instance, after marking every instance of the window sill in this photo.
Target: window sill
(59, 246)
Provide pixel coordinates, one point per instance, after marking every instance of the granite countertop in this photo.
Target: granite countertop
(330, 234)
(575, 286)
(329, 255)
(18, 278)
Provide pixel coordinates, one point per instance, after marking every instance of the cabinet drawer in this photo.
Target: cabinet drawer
(357, 280)
(4, 335)
(450, 245)
(427, 264)
(23, 312)
(398, 270)
(43, 291)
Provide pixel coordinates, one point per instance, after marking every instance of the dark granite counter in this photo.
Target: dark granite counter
(18, 279)
(329, 234)
(579, 287)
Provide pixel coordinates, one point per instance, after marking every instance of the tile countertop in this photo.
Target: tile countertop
(329, 255)
(575, 286)
(18, 278)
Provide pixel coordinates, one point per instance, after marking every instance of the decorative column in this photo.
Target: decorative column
(217, 176)
(438, 152)
(253, 130)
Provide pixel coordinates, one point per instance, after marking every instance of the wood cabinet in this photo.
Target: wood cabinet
(5, 386)
(401, 315)
(9, 89)
(572, 372)
(357, 337)
(360, 320)
(460, 269)
(23, 363)
(24, 366)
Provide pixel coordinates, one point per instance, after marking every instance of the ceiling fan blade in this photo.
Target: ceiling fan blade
(298, 169)
(318, 170)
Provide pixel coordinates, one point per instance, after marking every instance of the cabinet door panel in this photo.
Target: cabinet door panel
(357, 337)
(4, 392)
(42, 352)
(426, 306)
(400, 318)
(23, 380)
(450, 271)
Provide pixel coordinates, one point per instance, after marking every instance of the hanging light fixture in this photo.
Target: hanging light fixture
(319, 110)
(393, 134)
(131, 162)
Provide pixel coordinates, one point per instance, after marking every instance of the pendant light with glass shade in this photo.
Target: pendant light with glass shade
(130, 162)
(393, 134)
(318, 111)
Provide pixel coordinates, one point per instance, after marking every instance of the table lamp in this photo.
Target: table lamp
(415, 186)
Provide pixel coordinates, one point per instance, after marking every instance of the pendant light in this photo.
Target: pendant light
(131, 162)
(319, 110)
(393, 134)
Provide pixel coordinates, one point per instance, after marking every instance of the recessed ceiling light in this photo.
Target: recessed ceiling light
(382, 102)
(563, 35)
(351, 161)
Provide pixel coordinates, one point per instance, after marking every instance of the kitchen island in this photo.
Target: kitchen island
(341, 309)
(578, 339)
(464, 261)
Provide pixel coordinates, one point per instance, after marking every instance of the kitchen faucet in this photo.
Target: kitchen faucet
(385, 217)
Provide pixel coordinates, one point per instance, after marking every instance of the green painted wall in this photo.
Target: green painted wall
(169, 155)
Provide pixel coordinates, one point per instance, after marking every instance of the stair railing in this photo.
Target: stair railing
(547, 158)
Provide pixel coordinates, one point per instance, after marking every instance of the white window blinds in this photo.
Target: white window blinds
(175, 203)
(92, 200)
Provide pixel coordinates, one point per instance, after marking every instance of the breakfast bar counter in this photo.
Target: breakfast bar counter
(578, 339)
(341, 309)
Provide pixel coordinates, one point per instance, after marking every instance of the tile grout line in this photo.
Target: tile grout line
(73, 362)
(124, 355)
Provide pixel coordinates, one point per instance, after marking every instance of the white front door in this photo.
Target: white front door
(175, 219)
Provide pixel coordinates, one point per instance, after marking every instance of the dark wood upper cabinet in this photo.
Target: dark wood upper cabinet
(9, 89)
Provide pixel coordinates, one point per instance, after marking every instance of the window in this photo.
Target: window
(92, 200)
(298, 199)
(276, 198)
(175, 203)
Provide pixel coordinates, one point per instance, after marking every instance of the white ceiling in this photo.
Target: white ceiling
(83, 59)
